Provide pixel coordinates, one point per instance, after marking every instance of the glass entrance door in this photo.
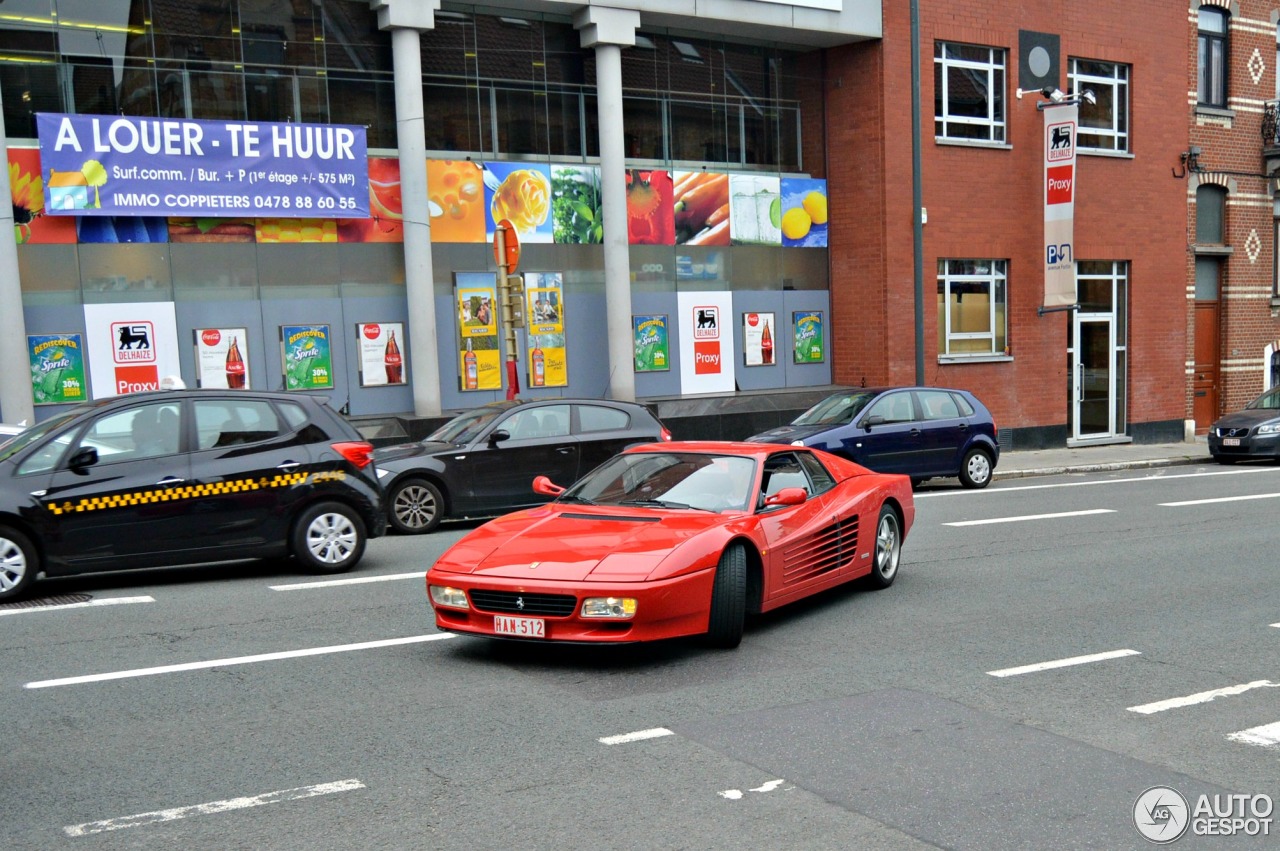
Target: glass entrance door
(1093, 400)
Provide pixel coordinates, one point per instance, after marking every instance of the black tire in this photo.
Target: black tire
(415, 506)
(888, 551)
(976, 469)
(19, 563)
(329, 537)
(729, 599)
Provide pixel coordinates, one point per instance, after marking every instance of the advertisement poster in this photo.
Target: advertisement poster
(520, 193)
(456, 200)
(651, 213)
(651, 342)
(701, 208)
(222, 359)
(479, 358)
(757, 338)
(755, 206)
(544, 317)
(382, 362)
(576, 212)
(804, 212)
(386, 216)
(131, 346)
(306, 357)
(809, 347)
(119, 165)
(706, 342)
(30, 225)
(57, 368)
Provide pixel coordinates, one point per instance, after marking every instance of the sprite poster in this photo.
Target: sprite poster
(307, 357)
(808, 336)
(57, 368)
(651, 343)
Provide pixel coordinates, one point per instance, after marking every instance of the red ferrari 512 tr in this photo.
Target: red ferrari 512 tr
(674, 539)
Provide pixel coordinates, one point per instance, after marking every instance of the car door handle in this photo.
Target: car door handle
(963, 426)
(169, 480)
(564, 450)
(288, 466)
(915, 432)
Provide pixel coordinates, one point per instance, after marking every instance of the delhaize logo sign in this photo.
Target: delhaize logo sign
(706, 336)
(133, 342)
(130, 346)
(1060, 142)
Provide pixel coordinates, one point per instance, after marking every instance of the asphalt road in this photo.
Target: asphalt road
(247, 706)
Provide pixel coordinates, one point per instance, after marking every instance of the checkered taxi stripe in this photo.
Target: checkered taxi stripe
(154, 495)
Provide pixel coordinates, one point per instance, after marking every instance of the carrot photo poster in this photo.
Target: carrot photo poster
(701, 208)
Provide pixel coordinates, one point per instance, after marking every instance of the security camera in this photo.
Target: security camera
(1055, 95)
(1087, 94)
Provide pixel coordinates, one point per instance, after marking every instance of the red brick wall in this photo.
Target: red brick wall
(987, 203)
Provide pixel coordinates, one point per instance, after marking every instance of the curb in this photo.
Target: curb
(1100, 468)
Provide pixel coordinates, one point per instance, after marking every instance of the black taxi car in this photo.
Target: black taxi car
(183, 477)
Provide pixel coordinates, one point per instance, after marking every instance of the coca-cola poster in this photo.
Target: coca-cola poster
(758, 332)
(222, 358)
(382, 357)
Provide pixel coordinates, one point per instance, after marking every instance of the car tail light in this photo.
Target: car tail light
(666, 433)
(358, 453)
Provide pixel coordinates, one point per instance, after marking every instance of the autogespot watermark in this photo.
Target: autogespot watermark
(1162, 815)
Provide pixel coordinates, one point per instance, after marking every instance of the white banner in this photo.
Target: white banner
(131, 346)
(1060, 124)
(706, 342)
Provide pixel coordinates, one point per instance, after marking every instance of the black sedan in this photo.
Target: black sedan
(1250, 433)
(185, 476)
(482, 462)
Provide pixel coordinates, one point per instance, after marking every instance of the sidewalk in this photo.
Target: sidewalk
(1088, 459)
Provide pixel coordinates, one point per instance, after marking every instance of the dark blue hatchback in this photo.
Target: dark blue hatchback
(920, 432)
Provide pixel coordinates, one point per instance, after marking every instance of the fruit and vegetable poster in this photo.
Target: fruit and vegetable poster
(456, 200)
(809, 345)
(57, 368)
(755, 210)
(479, 357)
(575, 205)
(758, 331)
(544, 318)
(652, 342)
(520, 193)
(804, 212)
(26, 185)
(650, 215)
(307, 355)
(701, 208)
(222, 358)
(381, 356)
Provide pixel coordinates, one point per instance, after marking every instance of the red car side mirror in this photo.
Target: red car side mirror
(787, 496)
(546, 487)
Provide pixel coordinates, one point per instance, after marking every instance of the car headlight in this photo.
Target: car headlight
(1269, 428)
(454, 598)
(621, 608)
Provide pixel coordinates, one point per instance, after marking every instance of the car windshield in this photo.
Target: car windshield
(1269, 401)
(465, 428)
(681, 480)
(835, 410)
(36, 433)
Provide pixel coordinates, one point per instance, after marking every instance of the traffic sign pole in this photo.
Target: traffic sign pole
(506, 251)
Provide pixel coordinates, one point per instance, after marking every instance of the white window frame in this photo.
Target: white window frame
(968, 271)
(1118, 83)
(995, 69)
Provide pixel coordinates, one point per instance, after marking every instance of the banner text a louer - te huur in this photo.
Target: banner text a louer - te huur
(108, 165)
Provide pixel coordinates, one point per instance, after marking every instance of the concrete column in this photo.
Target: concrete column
(608, 31)
(16, 404)
(405, 19)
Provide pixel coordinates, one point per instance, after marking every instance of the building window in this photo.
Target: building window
(1274, 375)
(1104, 124)
(971, 307)
(1211, 204)
(1212, 62)
(1275, 248)
(968, 92)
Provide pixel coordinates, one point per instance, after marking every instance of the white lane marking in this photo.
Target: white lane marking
(638, 736)
(1276, 625)
(1200, 697)
(1220, 499)
(359, 580)
(1031, 517)
(1267, 736)
(990, 492)
(212, 807)
(736, 794)
(1063, 663)
(238, 660)
(106, 601)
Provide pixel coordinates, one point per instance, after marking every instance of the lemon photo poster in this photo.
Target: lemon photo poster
(804, 212)
(57, 368)
(307, 356)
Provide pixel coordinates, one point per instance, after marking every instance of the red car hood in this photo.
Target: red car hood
(573, 543)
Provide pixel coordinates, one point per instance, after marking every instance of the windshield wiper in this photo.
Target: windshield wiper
(662, 503)
(580, 500)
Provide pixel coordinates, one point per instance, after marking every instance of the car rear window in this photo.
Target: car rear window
(600, 418)
(232, 422)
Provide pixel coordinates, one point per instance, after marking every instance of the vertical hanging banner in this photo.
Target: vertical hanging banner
(479, 359)
(1060, 123)
(544, 316)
